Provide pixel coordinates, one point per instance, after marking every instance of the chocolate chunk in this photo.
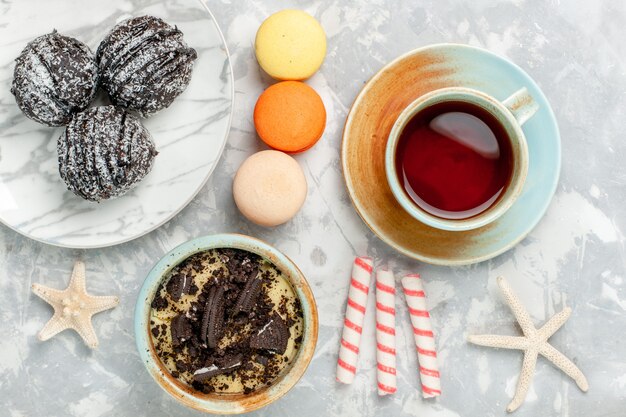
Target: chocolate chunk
(261, 359)
(249, 294)
(179, 284)
(273, 336)
(205, 373)
(241, 265)
(225, 366)
(230, 361)
(181, 366)
(205, 317)
(159, 303)
(213, 318)
(180, 329)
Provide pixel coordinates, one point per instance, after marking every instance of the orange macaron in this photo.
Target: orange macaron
(290, 116)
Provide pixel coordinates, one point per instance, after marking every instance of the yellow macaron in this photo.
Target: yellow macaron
(290, 45)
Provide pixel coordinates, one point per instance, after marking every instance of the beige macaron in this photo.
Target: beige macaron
(269, 188)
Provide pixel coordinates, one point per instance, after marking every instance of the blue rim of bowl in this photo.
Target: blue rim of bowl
(225, 403)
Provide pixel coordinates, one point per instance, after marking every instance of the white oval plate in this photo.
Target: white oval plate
(190, 135)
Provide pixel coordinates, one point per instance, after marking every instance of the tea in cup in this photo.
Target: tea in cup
(457, 158)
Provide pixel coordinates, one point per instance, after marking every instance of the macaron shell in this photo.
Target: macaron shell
(269, 188)
(290, 45)
(290, 116)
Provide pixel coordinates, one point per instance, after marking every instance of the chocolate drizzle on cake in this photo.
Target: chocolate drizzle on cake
(104, 152)
(145, 64)
(234, 322)
(55, 77)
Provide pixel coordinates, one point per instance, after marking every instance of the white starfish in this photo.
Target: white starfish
(533, 343)
(73, 307)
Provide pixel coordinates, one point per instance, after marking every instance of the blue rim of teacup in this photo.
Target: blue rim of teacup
(513, 129)
(225, 403)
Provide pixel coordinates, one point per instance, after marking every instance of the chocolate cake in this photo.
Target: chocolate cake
(226, 320)
(55, 77)
(145, 64)
(104, 152)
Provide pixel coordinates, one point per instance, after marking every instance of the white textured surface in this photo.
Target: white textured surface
(576, 257)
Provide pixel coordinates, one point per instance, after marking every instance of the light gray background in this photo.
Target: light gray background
(574, 49)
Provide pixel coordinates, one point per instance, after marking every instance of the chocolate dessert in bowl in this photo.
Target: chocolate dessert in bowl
(226, 324)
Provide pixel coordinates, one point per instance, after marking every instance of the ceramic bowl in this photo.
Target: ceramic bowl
(225, 403)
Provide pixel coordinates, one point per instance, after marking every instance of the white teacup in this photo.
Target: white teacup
(511, 114)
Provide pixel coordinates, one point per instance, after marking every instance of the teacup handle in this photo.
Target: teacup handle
(522, 105)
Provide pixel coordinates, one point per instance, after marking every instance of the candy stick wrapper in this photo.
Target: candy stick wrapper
(353, 323)
(385, 332)
(423, 334)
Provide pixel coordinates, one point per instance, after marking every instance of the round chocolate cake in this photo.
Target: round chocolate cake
(145, 64)
(55, 77)
(104, 152)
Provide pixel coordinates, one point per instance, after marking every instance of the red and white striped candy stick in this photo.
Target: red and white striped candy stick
(423, 333)
(353, 323)
(385, 332)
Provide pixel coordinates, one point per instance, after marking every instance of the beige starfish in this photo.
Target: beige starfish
(73, 307)
(533, 343)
